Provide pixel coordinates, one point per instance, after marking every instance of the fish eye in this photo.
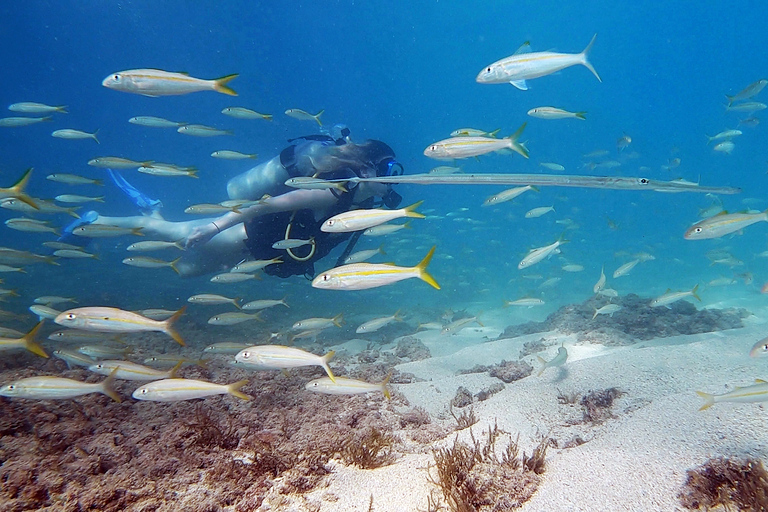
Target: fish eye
(697, 230)
(246, 355)
(488, 69)
(326, 277)
(116, 78)
(144, 391)
(11, 387)
(71, 316)
(643, 181)
(331, 222)
(433, 147)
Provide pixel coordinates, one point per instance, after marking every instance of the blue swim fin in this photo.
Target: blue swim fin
(67, 236)
(142, 201)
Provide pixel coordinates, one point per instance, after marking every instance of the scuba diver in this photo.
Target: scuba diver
(279, 212)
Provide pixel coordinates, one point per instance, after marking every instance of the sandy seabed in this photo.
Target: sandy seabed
(634, 461)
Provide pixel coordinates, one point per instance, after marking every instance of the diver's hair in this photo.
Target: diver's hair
(363, 158)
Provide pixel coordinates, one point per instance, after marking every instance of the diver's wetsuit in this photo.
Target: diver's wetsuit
(264, 231)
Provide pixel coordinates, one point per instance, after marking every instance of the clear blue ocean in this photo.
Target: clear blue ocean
(403, 73)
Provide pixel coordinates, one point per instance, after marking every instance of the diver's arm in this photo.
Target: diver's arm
(290, 201)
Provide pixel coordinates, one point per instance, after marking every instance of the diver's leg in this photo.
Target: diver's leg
(153, 226)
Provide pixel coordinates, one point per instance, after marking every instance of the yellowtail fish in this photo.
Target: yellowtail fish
(26, 342)
(229, 277)
(154, 122)
(199, 130)
(105, 319)
(30, 107)
(225, 154)
(749, 106)
(73, 179)
(625, 268)
(377, 323)
(226, 347)
(14, 122)
(73, 358)
(608, 309)
(74, 198)
(127, 370)
(555, 113)
(312, 183)
(43, 206)
(104, 231)
(726, 134)
(558, 360)
(749, 91)
(6, 332)
(757, 392)
(600, 284)
(386, 229)
(115, 162)
(291, 243)
(74, 254)
(347, 386)
(357, 220)
(301, 115)
(14, 256)
(507, 195)
(62, 246)
(318, 323)
(7, 268)
(209, 209)
(280, 357)
(53, 299)
(525, 302)
(466, 147)
(726, 147)
(538, 212)
(364, 255)
(69, 335)
(168, 171)
(146, 262)
(233, 318)
(552, 166)
(254, 265)
(104, 351)
(759, 349)
(256, 305)
(44, 312)
(156, 82)
(17, 190)
(245, 113)
(55, 388)
(68, 133)
(361, 276)
(524, 65)
(31, 225)
(723, 224)
(669, 297)
(536, 255)
(175, 390)
(211, 299)
(459, 324)
(474, 132)
(154, 245)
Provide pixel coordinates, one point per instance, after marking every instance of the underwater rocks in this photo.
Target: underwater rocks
(741, 484)
(635, 321)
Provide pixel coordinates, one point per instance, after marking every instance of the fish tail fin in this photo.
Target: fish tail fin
(730, 99)
(338, 320)
(582, 114)
(595, 315)
(422, 269)
(709, 400)
(62, 109)
(267, 117)
(179, 244)
(236, 302)
(173, 265)
(585, 59)
(324, 362)
(317, 117)
(107, 386)
(234, 388)
(494, 133)
(410, 211)
(73, 213)
(518, 147)
(93, 136)
(175, 369)
(693, 292)
(220, 85)
(257, 316)
(398, 317)
(543, 365)
(168, 326)
(18, 189)
(46, 119)
(30, 343)
(384, 388)
(381, 250)
(137, 232)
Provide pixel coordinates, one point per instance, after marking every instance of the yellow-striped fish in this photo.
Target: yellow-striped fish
(757, 392)
(280, 357)
(54, 388)
(466, 147)
(358, 220)
(723, 224)
(27, 342)
(156, 82)
(174, 390)
(361, 276)
(346, 386)
(104, 319)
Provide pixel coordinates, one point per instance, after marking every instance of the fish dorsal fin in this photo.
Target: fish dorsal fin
(669, 290)
(724, 212)
(524, 48)
(760, 381)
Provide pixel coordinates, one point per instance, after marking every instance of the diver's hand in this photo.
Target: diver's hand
(201, 235)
